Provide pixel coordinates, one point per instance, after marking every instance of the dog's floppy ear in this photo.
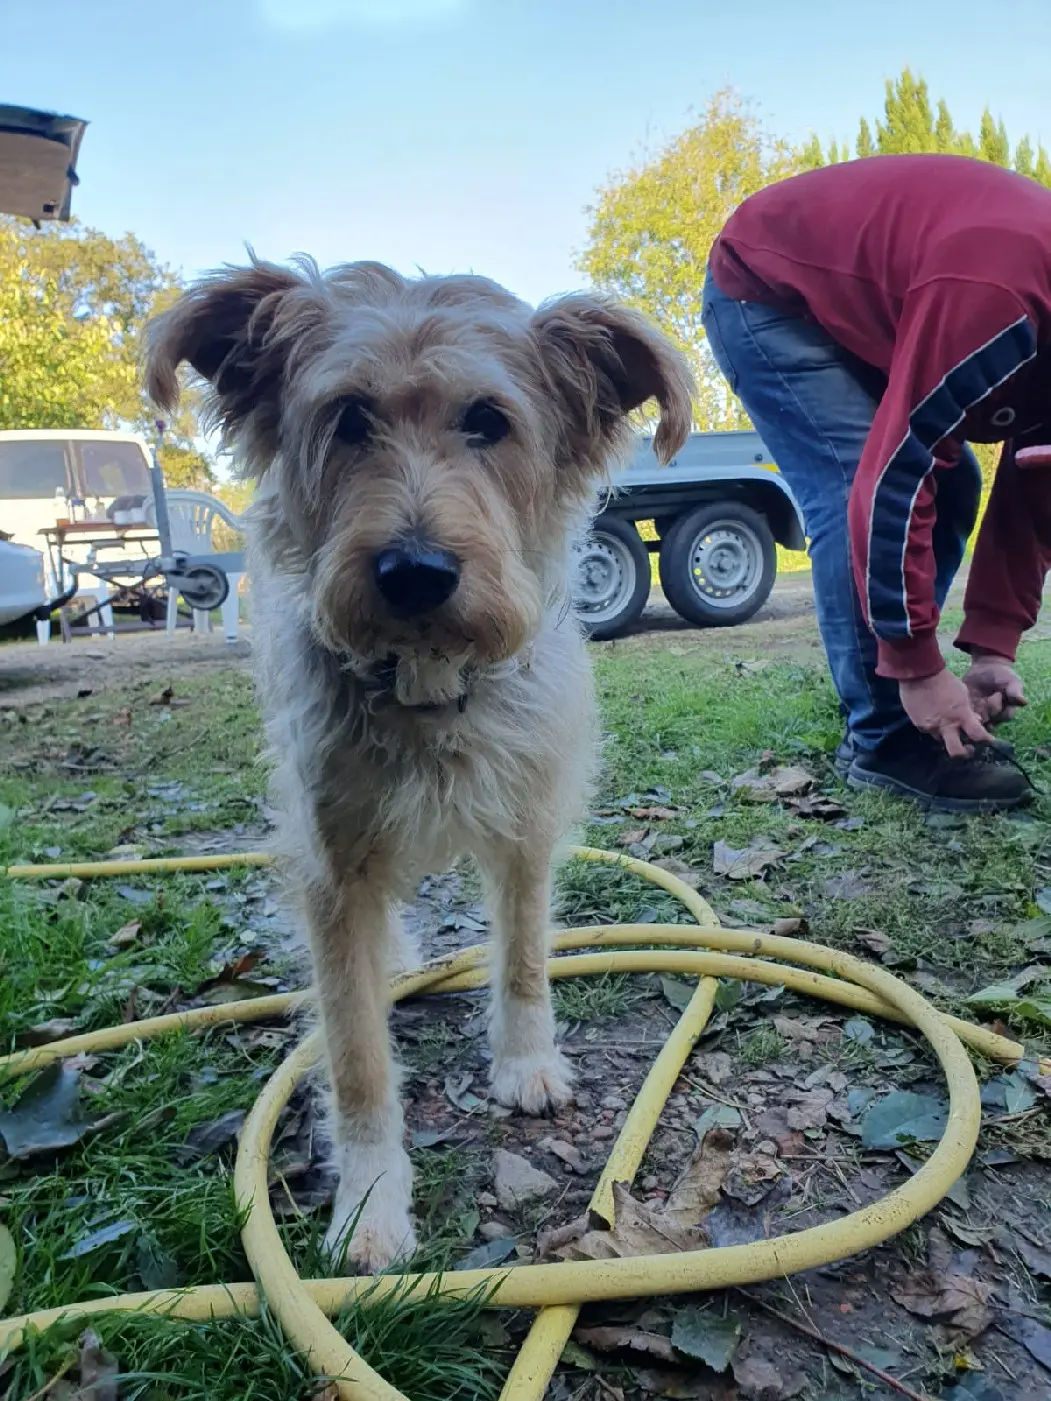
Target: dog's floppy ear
(603, 360)
(235, 328)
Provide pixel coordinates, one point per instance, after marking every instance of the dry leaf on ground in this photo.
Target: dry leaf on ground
(958, 1301)
(638, 1229)
(743, 863)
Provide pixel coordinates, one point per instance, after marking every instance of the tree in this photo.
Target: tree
(865, 146)
(908, 121)
(653, 225)
(993, 144)
(73, 307)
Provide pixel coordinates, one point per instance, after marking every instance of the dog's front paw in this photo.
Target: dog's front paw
(535, 1084)
(371, 1219)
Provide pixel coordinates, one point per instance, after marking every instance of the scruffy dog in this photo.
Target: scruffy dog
(425, 451)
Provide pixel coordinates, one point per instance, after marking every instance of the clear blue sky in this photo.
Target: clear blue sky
(460, 134)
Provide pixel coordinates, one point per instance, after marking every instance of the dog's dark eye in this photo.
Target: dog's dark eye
(354, 423)
(484, 424)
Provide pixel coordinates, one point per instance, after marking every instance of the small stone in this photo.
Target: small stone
(649, 1184)
(517, 1182)
(583, 1100)
(495, 1230)
(485, 1199)
(614, 1102)
(768, 1147)
(602, 1133)
(565, 1152)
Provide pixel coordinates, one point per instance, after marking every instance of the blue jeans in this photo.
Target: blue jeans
(813, 403)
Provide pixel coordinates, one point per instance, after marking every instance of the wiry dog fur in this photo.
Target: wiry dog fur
(364, 404)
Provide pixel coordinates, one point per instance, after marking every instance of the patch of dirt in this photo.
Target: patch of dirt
(31, 674)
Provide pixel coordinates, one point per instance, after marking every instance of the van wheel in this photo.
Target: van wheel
(612, 578)
(718, 564)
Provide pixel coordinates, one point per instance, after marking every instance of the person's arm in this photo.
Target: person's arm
(1011, 559)
(957, 341)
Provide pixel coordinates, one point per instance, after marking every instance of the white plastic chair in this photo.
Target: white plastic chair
(192, 516)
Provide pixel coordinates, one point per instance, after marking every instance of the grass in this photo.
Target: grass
(141, 1203)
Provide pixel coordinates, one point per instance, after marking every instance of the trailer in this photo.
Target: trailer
(719, 510)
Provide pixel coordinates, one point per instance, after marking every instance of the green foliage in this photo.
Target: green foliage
(653, 226)
(74, 304)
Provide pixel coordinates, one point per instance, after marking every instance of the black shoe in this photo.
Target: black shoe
(844, 755)
(915, 766)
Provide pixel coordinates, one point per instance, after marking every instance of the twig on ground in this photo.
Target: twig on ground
(840, 1348)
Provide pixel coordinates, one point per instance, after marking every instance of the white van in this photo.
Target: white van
(44, 472)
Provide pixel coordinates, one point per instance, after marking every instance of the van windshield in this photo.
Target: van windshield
(32, 469)
(113, 469)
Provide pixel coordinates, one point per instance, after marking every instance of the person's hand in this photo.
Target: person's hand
(941, 705)
(995, 688)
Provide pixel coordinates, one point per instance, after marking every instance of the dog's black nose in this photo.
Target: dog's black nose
(416, 578)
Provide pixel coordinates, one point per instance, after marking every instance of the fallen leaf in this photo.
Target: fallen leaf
(783, 782)
(94, 1240)
(818, 806)
(637, 1230)
(678, 993)
(874, 940)
(760, 1380)
(810, 1109)
(679, 868)
(706, 1336)
(904, 1117)
(633, 837)
(205, 1140)
(1010, 1092)
(958, 1301)
(1036, 1258)
(99, 1372)
(654, 814)
(751, 1177)
(746, 863)
(57, 1029)
(619, 1339)
(458, 1092)
(1034, 1336)
(698, 1188)
(493, 1252)
(859, 1030)
(717, 1116)
(850, 885)
(785, 928)
(8, 1265)
(125, 935)
(733, 1222)
(46, 1117)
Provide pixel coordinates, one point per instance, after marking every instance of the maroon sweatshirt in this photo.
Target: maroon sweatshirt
(937, 271)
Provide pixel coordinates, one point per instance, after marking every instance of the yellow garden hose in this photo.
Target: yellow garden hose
(558, 1290)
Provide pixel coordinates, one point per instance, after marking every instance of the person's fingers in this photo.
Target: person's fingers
(990, 707)
(1013, 692)
(973, 728)
(954, 746)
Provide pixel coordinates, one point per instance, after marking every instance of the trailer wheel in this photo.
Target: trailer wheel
(612, 578)
(718, 564)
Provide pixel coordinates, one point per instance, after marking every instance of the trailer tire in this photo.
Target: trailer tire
(718, 564)
(613, 580)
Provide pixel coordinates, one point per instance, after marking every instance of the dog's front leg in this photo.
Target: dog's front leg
(351, 931)
(528, 1071)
